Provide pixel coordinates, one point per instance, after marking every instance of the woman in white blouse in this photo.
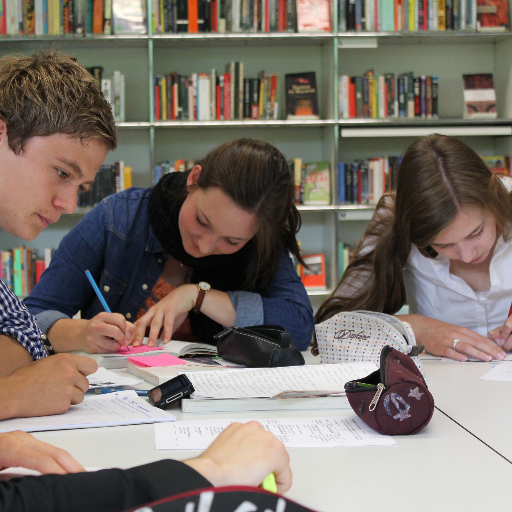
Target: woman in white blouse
(442, 244)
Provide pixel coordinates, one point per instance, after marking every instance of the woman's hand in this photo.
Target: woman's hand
(502, 335)
(439, 337)
(244, 454)
(19, 449)
(169, 313)
(106, 332)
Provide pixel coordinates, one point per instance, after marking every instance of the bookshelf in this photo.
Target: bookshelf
(144, 141)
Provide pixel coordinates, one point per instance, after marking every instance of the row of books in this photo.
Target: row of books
(109, 180)
(21, 268)
(72, 17)
(422, 15)
(113, 90)
(221, 16)
(388, 95)
(364, 181)
(216, 96)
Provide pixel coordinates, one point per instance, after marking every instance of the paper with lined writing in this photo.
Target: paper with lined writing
(319, 379)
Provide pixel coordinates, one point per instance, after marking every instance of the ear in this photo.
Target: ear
(193, 176)
(3, 131)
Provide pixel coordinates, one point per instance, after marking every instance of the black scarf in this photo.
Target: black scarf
(222, 272)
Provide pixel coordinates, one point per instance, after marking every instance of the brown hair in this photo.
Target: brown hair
(51, 93)
(438, 175)
(256, 176)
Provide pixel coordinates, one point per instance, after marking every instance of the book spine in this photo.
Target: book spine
(435, 89)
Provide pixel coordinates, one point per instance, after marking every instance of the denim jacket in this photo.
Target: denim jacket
(116, 244)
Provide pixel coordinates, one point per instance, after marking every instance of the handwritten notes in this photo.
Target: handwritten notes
(293, 432)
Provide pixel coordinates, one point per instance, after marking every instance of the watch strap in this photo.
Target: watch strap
(200, 298)
(47, 345)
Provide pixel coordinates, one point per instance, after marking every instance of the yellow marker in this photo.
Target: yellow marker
(269, 484)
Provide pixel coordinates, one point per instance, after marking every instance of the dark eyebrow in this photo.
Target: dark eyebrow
(470, 234)
(208, 222)
(76, 169)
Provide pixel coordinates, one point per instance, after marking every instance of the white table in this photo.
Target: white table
(443, 467)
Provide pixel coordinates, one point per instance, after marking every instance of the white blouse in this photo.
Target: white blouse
(434, 292)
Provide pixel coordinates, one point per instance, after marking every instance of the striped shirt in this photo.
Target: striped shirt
(18, 323)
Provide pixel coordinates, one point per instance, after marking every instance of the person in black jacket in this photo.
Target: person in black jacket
(242, 455)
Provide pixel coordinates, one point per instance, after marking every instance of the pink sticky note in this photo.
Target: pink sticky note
(160, 360)
(136, 350)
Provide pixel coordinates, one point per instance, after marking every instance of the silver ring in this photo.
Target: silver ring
(455, 341)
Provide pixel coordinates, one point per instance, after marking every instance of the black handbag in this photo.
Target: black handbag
(258, 346)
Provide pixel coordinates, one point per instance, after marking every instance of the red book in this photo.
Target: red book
(425, 14)
(214, 26)
(97, 21)
(352, 100)
(157, 102)
(314, 276)
(3, 19)
(386, 110)
(267, 16)
(193, 26)
(40, 268)
(280, 15)
(227, 96)
(218, 92)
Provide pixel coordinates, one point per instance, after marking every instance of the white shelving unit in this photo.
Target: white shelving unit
(144, 141)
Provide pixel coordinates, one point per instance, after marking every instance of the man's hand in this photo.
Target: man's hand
(44, 387)
(244, 454)
(19, 449)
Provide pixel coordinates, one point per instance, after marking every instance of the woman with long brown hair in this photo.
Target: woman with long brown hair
(442, 244)
(201, 250)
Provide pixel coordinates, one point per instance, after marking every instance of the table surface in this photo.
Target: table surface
(459, 461)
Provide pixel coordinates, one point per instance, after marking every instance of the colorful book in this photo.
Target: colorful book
(317, 183)
(313, 276)
(479, 97)
(492, 15)
(301, 96)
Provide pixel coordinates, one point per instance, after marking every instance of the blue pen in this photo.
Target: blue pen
(103, 391)
(97, 290)
(100, 296)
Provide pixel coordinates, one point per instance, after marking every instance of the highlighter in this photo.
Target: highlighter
(269, 484)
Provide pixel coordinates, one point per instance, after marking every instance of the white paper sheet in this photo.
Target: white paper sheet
(293, 432)
(118, 408)
(104, 378)
(268, 382)
(502, 372)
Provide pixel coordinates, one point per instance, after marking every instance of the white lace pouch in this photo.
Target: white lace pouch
(361, 335)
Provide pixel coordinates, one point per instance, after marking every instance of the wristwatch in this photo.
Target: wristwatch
(50, 351)
(203, 288)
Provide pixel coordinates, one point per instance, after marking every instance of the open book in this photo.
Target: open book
(256, 389)
(177, 348)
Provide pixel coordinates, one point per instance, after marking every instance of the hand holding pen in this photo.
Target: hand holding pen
(502, 335)
(107, 331)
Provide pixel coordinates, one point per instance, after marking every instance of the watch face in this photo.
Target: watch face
(204, 286)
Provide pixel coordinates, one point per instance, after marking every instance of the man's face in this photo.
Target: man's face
(41, 183)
